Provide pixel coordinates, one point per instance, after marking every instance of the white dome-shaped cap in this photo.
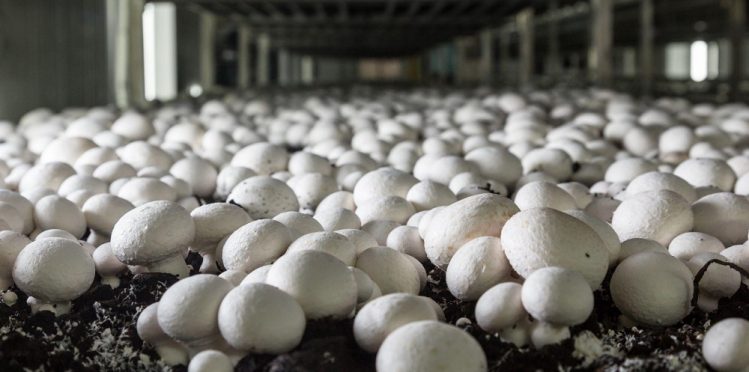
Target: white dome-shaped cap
(264, 197)
(558, 296)
(383, 315)
(725, 344)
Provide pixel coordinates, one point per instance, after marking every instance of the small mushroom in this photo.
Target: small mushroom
(725, 344)
(56, 212)
(214, 222)
(657, 215)
(210, 361)
(477, 266)
(264, 197)
(107, 265)
(299, 223)
(383, 315)
(500, 307)
(11, 244)
(723, 215)
(53, 272)
(261, 318)
(687, 245)
(390, 270)
(540, 194)
(406, 239)
(637, 245)
(429, 345)
(255, 244)
(717, 282)
(149, 330)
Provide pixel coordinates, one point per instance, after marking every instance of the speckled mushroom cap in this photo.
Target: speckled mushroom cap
(383, 315)
(54, 270)
(215, 221)
(429, 345)
(725, 344)
(723, 215)
(188, 310)
(152, 232)
(497, 164)
(322, 284)
(544, 237)
(657, 215)
(640, 283)
(462, 221)
(604, 231)
(261, 318)
(255, 244)
(264, 197)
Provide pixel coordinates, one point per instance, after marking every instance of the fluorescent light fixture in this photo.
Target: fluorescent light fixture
(698, 61)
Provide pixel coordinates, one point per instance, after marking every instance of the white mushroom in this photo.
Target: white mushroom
(429, 345)
(56, 212)
(723, 215)
(264, 197)
(391, 270)
(210, 361)
(541, 194)
(406, 239)
(255, 244)
(687, 245)
(107, 265)
(261, 318)
(11, 244)
(725, 343)
(717, 282)
(383, 315)
(657, 215)
(321, 283)
(329, 242)
(477, 266)
(214, 222)
(149, 330)
(53, 272)
(500, 307)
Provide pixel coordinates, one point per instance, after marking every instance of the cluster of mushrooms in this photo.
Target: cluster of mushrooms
(322, 205)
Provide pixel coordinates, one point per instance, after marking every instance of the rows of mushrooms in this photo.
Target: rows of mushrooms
(316, 205)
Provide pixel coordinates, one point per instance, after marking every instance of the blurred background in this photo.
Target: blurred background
(136, 53)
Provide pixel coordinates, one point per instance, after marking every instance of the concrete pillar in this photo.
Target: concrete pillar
(125, 35)
(647, 15)
(243, 57)
(600, 56)
(487, 57)
(524, 20)
(308, 70)
(263, 60)
(737, 19)
(207, 51)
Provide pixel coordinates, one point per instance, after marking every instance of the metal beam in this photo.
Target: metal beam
(524, 21)
(206, 50)
(263, 60)
(601, 57)
(487, 56)
(553, 62)
(737, 19)
(127, 53)
(243, 57)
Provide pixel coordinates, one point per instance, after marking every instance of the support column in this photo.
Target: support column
(737, 19)
(504, 56)
(647, 16)
(524, 21)
(601, 57)
(284, 77)
(125, 28)
(207, 50)
(487, 57)
(554, 65)
(308, 70)
(243, 57)
(263, 60)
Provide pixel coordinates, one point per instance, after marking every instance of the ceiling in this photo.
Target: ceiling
(363, 28)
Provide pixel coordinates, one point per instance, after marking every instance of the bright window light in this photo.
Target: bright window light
(160, 51)
(698, 61)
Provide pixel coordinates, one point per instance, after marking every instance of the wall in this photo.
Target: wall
(52, 54)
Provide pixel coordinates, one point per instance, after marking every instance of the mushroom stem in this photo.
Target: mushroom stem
(209, 265)
(171, 265)
(57, 308)
(112, 281)
(543, 334)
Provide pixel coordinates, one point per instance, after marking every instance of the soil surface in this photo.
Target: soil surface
(99, 334)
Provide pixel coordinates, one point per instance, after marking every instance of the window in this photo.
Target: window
(159, 51)
(698, 61)
(677, 60)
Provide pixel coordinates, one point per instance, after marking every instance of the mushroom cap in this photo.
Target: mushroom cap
(558, 296)
(106, 263)
(229, 177)
(541, 194)
(299, 223)
(133, 125)
(257, 276)
(366, 289)
(255, 244)
(723, 215)
(11, 216)
(426, 195)
(662, 181)
(687, 245)
(329, 242)
(707, 172)
(603, 229)
(264, 197)
(652, 288)
(497, 164)
(406, 239)
(311, 188)
(24, 207)
(141, 155)
(338, 199)
(199, 173)
(65, 149)
(500, 307)
(102, 211)
(11, 244)
(141, 190)
(625, 170)
(386, 208)
(636, 245)
(210, 361)
(321, 283)
(152, 232)
(383, 182)
(725, 343)
(215, 221)
(262, 157)
(306, 162)
(261, 318)
(114, 170)
(45, 175)
(429, 345)
(383, 315)
(333, 218)
(553, 162)
(390, 270)
(361, 239)
(543, 237)
(188, 310)
(718, 281)
(657, 215)
(54, 270)
(79, 182)
(462, 221)
(477, 266)
(56, 212)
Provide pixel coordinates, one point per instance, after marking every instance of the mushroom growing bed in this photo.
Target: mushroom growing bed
(369, 229)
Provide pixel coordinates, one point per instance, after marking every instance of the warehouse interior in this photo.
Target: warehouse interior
(130, 53)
